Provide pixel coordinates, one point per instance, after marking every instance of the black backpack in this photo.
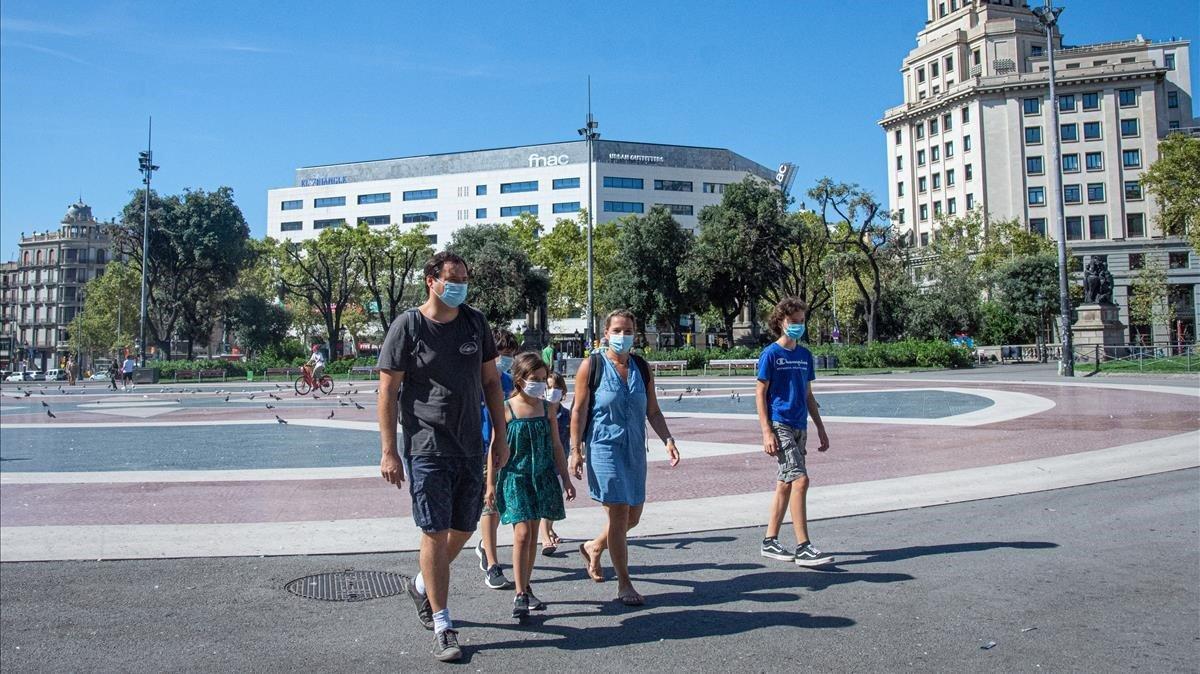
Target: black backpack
(596, 373)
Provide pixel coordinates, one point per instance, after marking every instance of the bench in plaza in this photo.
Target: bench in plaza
(371, 371)
(656, 365)
(731, 365)
(198, 375)
(281, 371)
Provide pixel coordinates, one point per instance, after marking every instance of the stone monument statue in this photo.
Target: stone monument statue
(1097, 282)
(1098, 322)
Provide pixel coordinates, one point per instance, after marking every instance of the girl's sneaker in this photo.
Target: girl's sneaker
(807, 555)
(535, 604)
(771, 548)
(520, 606)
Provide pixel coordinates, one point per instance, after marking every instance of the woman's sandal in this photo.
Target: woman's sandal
(634, 599)
(550, 549)
(587, 561)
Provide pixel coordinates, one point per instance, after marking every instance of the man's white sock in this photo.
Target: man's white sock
(441, 621)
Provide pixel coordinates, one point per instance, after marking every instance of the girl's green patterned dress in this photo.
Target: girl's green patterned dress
(527, 487)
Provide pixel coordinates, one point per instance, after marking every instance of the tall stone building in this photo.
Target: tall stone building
(973, 133)
(42, 291)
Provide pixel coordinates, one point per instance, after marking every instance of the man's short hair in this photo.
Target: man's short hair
(435, 265)
(505, 341)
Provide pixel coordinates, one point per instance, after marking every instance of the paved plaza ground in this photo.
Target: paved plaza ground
(1065, 508)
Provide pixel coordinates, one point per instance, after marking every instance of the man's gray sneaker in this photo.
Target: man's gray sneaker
(495, 578)
(807, 555)
(771, 548)
(446, 646)
(424, 610)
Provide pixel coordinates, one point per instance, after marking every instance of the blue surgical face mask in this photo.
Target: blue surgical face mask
(504, 363)
(795, 330)
(620, 343)
(453, 294)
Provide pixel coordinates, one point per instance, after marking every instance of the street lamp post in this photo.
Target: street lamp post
(1048, 16)
(590, 134)
(147, 167)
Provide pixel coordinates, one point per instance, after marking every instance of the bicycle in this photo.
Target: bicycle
(304, 383)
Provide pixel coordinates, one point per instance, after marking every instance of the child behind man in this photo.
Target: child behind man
(489, 520)
(562, 414)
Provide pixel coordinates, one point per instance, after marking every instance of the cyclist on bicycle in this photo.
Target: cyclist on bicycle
(316, 365)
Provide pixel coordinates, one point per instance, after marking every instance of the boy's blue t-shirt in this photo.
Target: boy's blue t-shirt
(787, 374)
(506, 383)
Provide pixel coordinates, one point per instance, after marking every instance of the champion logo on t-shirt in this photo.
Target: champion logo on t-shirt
(786, 364)
(468, 348)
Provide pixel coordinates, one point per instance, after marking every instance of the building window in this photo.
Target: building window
(1095, 193)
(1066, 103)
(933, 69)
(292, 226)
(896, 134)
(1037, 196)
(1074, 228)
(949, 149)
(375, 220)
(920, 157)
(417, 195)
(332, 222)
(290, 205)
(947, 121)
(924, 239)
(899, 167)
(1091, 101)
(513, 211)
(1032, 106)
(966, 143)
(1127, 98)
(1033, 135)
(481, 190)
(1177, 259)
(937, 181)
(949, 177)
(1072, 194)
(948, 64)
(970, 200)
(413, 218)
(969, 171)
(1172, 125)
(1034, 166)
(325, 202)
(924, 212)
(678, 209)
(1095, 161)
(623, 207)
(1038, 226)
(377, 198)
(922, 184)
(900, 215)
(1135, 225)
(1097, 227)
(1169, 60)
(1129, 128)
(1133, 190)
(920, 74)
(565, 207)
(937, 208)
(1131, 158)
(900, 189)
(1036, 50)
(933, 126)
(935, 153)
(920, 129)
(524, 186)
(565, 183)
(1137, 261)
(951, 206)
(719, 188)
(1068, 132)
(1172, 99)
(966, 115)
(480, 213)
(624, 183)
(1070, 163)
(673, 185)
(432, 239)
(1091, 130)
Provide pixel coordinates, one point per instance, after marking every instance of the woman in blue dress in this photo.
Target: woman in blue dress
(614, 430)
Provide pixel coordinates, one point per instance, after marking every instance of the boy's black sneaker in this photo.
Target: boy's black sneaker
(807, 555)
(445, 647)
(771, 548)
(520, 606)
(424, 610)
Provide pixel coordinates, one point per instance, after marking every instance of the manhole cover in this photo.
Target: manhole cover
(348, 585)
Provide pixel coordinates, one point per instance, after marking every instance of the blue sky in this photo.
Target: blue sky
(244, 92)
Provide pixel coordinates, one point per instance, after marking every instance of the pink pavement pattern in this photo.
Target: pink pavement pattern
(1084, 419)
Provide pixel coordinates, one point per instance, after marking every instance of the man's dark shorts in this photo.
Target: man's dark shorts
(447, 492)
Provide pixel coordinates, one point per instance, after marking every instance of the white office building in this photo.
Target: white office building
(449, 191)
(973, 133)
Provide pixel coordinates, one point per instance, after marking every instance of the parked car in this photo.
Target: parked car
(27, 375)
(56, 375)
(35, 375)
(16, 376)
(99, 376)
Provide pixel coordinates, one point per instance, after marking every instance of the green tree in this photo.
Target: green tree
(319, 273)
(504, 283)
(1174, 180)
(562, 252)
(1150, 297)
(646, 281)
(390, 262)
(1027, 289)
(802, 263)
(198, 245)
(109, 319)
(257, 323)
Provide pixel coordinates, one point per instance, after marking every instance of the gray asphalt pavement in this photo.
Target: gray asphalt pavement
(1098, 578)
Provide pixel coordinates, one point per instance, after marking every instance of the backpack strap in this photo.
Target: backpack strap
(595, 375)
(643, 367)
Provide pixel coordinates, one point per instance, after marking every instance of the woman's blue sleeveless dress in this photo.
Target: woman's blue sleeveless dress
(616, 460)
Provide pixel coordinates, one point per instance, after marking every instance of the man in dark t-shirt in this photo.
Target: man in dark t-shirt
(444, 354)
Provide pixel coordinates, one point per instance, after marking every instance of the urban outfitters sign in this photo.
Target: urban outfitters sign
(635, 158)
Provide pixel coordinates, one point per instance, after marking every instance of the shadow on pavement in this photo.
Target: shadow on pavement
(899, 554)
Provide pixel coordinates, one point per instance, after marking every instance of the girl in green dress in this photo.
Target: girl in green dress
(528, 487)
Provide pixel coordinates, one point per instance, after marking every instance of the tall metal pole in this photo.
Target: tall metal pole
(146, 165)
(1048, 15)
(590, 134)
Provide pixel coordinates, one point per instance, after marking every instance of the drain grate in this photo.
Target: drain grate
(348, 585)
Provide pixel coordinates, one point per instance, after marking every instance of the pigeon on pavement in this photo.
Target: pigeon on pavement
(50, 414)
(280, 420)
(330, 415)
(357, 406)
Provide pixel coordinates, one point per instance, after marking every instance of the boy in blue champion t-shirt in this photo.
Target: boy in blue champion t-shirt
(785, 401)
